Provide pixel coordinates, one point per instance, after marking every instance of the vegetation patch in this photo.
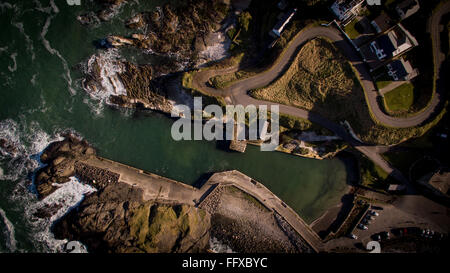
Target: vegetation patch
(400, 99)
(352, 29)
(206, 99)
(321, 80)
(372, 176)
(317, 76)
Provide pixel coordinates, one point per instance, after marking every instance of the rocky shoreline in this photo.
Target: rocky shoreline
(177, 34)
(117, 218)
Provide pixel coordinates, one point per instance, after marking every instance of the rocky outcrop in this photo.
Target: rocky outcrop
(7, 148)
(59, 159)
(117, 220)
(108, 10)
(180, 31)
(125, 84)
(141, 90)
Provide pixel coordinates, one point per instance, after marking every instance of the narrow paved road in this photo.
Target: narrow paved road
(237, 93)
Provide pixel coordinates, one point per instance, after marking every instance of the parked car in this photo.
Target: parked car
(352, 236)
(376, 237)
(377, 207)
(400, 231)
(365, 222)
(363, 227)
(369, 217)
(384, 235)
(373, 213)
(414, 231)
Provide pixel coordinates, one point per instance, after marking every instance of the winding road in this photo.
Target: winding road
(238, 92)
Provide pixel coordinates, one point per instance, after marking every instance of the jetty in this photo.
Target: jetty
(100, 170)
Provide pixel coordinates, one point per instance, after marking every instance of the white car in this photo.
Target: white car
(352, 236)
(361, 226)
(374, 213)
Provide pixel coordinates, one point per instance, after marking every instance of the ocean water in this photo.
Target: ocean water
(42, 51)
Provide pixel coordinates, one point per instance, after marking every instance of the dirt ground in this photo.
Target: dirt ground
(244, 224)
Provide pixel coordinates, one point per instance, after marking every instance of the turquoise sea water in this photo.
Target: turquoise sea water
(41, 49)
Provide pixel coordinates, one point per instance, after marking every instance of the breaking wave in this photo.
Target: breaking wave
(8, 231)
(20, 151)
(53, 51)
(65, 198)
(102, 78)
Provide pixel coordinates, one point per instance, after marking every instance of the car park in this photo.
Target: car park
(373, 213)
(385, 235)
(363, 227)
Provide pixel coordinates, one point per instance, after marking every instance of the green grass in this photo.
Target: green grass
(187, 83)
(373, 176)
(382, 84)
(400, 99)
(351, 30)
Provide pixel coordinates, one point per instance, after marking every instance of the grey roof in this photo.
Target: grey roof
(408, 7)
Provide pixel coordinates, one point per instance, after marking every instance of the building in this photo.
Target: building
(346, 10)
(396, 188)
(281, 24)
(382, 23)
(407, 8)
(394, 43)
(401, 70)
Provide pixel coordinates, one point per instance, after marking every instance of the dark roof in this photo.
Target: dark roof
(386, 44)
(383, 21)
(399, 69)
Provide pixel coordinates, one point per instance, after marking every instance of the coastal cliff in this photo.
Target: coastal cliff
(131, 210)
(116, 219)
(176, 36)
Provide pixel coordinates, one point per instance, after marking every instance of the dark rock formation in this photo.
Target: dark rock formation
(108, 10)
(7, 147)
(181, 30)
(116, 219)
(60, 158)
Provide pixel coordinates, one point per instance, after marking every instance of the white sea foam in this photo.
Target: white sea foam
(8, 231)
(66, 197)
(40, 8)
(105, 67)
(29, 141)
(14, 66)
(25, 141)
(30, 46)
(5, 5)
(55, 52)
(3, 49)
(33, 79)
